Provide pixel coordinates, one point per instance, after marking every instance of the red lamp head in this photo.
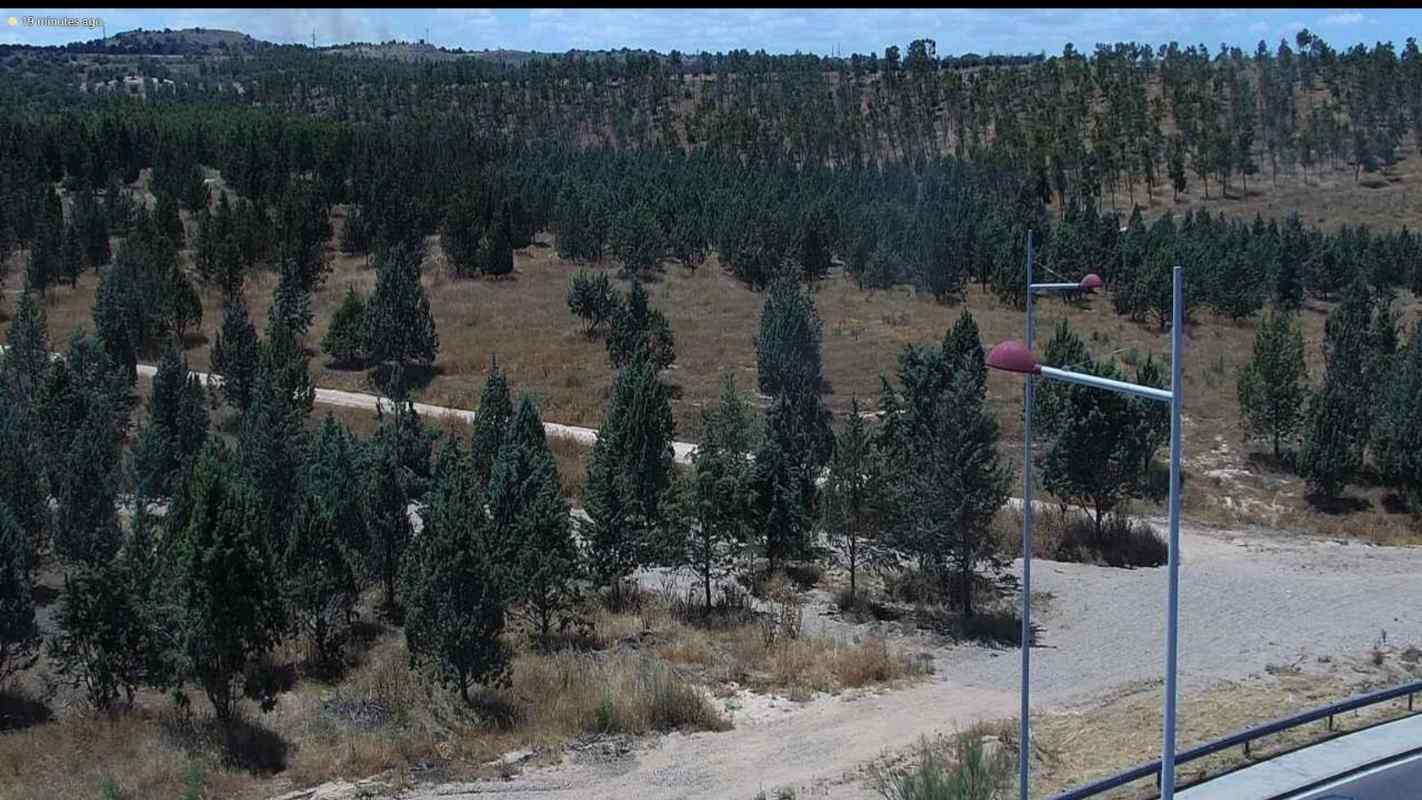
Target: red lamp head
(1091, 282)
(1013, 356)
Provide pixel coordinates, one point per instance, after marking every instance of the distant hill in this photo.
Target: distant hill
(189, 41)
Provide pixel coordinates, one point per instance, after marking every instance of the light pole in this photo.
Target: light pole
(1086, 284)
(1013, 356)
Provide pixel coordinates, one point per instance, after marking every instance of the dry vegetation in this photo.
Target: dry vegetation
(655, 666)
(1071, 749)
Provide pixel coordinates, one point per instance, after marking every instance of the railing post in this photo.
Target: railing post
(1409, 701)
(1330, 722)
(1246, 748)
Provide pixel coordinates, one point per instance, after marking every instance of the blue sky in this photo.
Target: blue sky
(777, 31)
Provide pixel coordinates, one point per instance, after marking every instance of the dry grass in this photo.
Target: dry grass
(1073, 749)
(644, 670)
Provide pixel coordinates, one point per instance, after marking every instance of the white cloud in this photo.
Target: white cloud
(1350, 18)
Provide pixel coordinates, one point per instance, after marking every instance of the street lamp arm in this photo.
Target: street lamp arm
(1121, 387)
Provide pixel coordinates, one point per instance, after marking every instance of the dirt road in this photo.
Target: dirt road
(335, 397)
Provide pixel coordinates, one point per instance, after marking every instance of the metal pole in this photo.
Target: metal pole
(1172, 621)
(1028, 400)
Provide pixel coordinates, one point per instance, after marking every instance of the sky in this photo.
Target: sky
(822, 31)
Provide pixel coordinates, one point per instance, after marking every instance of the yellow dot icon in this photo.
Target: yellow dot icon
(13, 22)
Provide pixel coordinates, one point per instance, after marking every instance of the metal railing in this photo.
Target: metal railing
(1244, 738)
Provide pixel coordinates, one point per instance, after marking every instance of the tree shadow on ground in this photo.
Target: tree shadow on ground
(1337, 506)
(239, 743)
(18, 710)
(194, 339)
(415, 378)
(1394, 503)
(1267, 462)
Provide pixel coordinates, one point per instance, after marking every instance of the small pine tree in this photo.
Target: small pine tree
(527, 513)
(1397, 434)
(224, 583)
(175, 431)
(19, 634)
(640, 328)
(490, 423)
(453, 588)
(592, 298)
(631, 470)
(1273, 385)
(107, 637)
(236, 353)
(321, 590)
(788, 348)
(636, 240)
(384, 505)
(399, 327)
(717, 499)
(855, 490)
(344, 341)
(71, 256)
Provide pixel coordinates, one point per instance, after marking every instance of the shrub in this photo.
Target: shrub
(1122, 543)
(971, 773)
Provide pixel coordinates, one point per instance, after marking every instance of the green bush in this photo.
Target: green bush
(971, 773)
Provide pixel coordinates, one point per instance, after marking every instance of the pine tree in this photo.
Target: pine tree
(22, 488)
(1104, 447)
(398, 325)
(26, 357)
(631, 470)
(175, 431)
(332, 478)
(384, 505)
(71, 256)
(107, 638)
(814, 254)
(945, 478)
(592, 298)
(496, 247)
(527, 515)
(718, 520)
(93, 231)
(82, 411)
(490, 423)
(854, 493)
(236, 353)
(224, 583)
(321, 590)
(344, 341)
(788, 347)
(638, 327)
(796, 446)
(291, 302)
(1397, 433)
(19, 634)
(1273, 385)
(454, 593)
(636, 240)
